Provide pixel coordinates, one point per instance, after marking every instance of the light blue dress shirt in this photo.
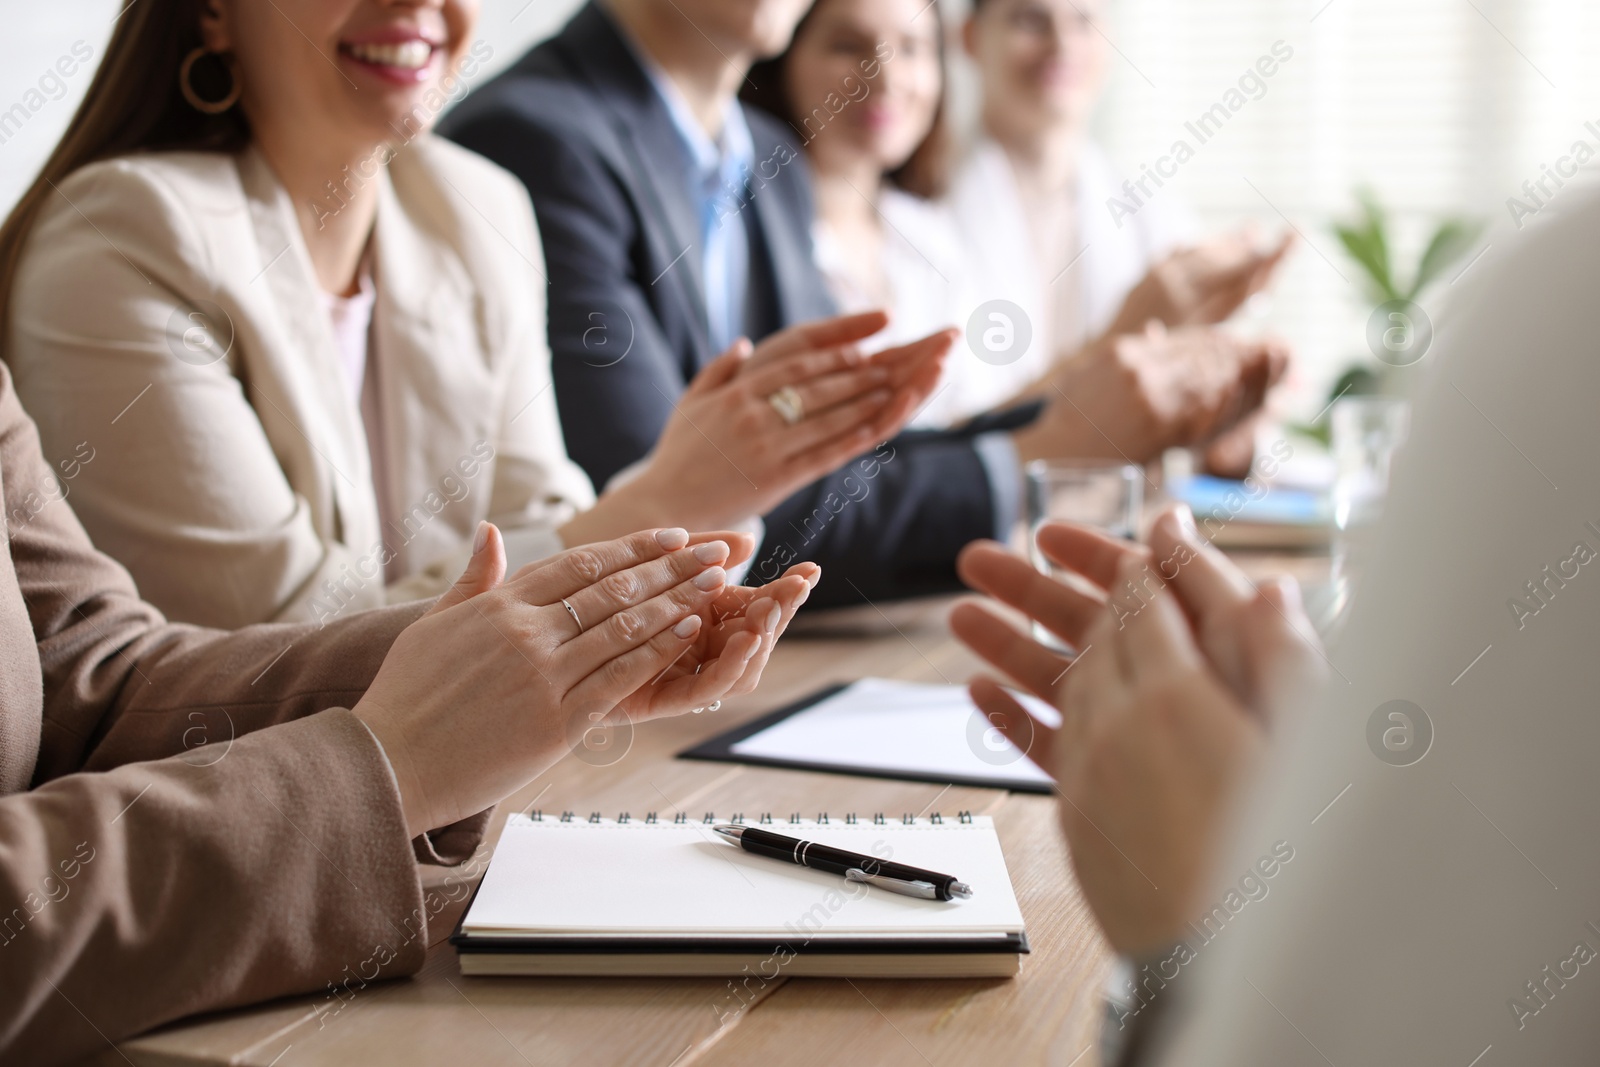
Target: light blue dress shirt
(720, 179)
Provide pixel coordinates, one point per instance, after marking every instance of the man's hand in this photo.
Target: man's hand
(729, 452)
(1134, 396)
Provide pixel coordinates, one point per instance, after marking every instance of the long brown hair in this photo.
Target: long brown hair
(133, 104)
(925, 173)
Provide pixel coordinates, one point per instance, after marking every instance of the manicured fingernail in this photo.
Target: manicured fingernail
(672, 539)
(710, 578)
(711, 551)
(1186, 520)
(688, 627)
(750, 653)
(480, 539)
(774, 613)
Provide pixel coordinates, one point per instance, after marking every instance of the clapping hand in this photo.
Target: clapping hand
(759, 423)
(1202, 285)
(490, 687)
(738, 628)
(1183, 664)
(1133, 396)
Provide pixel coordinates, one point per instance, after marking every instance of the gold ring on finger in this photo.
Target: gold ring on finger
(788, 404)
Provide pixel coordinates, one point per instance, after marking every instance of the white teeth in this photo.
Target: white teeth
(410, 55)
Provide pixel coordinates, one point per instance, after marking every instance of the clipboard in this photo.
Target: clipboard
(968, 752)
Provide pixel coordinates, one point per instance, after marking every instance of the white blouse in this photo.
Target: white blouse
(928, 287)
(959, 261)
(351, 320)
(1000, 252)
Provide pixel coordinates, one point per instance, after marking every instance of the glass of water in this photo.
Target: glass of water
(1106, 496)
(1367, 432)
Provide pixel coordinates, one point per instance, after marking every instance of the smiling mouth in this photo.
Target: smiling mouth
(399, 56)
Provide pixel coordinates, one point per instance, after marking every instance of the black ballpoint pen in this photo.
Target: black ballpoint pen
(895, 877)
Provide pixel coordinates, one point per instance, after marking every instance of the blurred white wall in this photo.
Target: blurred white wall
(1442, 107)
(41, 35)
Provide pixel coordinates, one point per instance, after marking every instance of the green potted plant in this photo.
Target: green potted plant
(1396, 294)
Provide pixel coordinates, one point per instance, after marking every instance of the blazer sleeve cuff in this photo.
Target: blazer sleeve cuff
(453, 845)
(1004, 471)
(448, 846)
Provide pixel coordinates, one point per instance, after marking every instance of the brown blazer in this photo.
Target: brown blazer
(241, 863)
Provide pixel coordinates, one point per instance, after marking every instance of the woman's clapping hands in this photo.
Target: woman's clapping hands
(491, 686)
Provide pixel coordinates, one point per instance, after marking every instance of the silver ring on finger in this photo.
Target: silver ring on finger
(789, 405)
(574, 613)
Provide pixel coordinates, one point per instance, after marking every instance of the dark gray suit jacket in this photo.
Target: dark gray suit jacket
(578, 120)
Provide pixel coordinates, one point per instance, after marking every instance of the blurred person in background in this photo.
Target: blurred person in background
(1032, 195)
(862, 85)
(870, 74)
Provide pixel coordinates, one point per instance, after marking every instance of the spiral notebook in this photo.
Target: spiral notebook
(627, 896)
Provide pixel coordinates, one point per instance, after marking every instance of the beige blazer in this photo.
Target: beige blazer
(166, 316)
(189, 820)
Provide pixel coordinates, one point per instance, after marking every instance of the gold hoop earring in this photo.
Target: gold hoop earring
(209, 107)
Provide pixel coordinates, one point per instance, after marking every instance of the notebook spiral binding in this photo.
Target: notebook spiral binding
(766, 819)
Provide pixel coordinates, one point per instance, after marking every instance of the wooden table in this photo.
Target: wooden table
(1050, 1014)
